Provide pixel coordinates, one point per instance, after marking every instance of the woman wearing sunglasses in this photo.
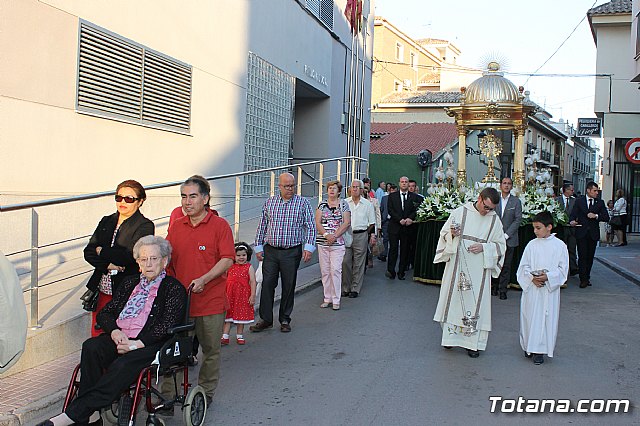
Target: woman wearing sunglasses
(110, 249)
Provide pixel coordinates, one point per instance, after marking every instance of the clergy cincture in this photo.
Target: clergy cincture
(465, 287)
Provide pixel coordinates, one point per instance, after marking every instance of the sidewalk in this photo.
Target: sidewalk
(624, 260)
(34, 394)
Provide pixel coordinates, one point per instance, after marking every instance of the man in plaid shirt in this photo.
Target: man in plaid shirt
(286, 234)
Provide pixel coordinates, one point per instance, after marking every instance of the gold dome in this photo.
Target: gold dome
(492, 87)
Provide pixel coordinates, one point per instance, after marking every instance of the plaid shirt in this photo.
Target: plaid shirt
(286, 224)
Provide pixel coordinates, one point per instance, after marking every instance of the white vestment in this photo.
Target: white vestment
(455, 303)
(540, 306)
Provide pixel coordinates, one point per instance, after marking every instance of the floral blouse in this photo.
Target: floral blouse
(331, 220)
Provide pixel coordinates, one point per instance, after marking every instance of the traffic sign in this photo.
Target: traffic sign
(632, 150)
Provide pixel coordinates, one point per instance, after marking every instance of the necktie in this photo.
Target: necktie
(566, 204)
(590, 203)
(404, 200)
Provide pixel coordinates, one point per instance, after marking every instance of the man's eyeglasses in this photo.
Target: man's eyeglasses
(288, 186)
(153, 259)
(486, 207)
(128, 199)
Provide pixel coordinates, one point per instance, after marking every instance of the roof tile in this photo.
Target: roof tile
(614, 6)
(411, 138)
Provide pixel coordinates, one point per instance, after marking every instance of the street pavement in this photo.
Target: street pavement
(378, 361)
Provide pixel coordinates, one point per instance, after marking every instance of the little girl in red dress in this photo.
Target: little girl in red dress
(241, 292)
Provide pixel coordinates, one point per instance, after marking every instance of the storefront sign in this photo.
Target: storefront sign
(589, 127)
(632, 150)
(312, 73)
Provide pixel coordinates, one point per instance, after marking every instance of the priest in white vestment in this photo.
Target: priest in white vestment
(543, 269)
(472, 244)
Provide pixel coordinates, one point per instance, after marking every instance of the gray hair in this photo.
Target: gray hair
(359, 181)
(153, 240)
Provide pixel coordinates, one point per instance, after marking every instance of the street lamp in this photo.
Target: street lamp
(471, 151)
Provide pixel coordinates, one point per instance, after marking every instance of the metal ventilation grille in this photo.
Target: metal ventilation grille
(326, 12)
(120, 79)
(167, 92)
(314, 7)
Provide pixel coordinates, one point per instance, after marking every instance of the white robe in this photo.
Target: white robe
(454, 303)
(540, 306)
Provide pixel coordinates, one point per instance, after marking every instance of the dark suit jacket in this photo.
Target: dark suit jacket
(511, 219)
(384, 209)
(590, 227)
(121, 254)
(572, 202)
(396, 211)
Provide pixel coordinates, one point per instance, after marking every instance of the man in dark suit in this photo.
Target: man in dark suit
(384, 214)
(402, 209)
(510, 212)
(567, 200)
(588, 211)
(413, 188)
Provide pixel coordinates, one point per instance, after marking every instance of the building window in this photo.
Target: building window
(399, 52)
(123, 80)
(269, 122)
(413, 60)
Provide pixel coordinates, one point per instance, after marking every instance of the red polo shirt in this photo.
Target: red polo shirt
(196, 249)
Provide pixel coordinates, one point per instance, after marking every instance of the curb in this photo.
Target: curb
(620, 270)
(37, 410)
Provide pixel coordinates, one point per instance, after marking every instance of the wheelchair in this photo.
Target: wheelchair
(172, 358)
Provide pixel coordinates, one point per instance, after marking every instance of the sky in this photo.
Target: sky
(523, 35)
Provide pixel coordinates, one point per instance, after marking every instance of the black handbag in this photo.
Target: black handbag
(90, 300)
(616, 221)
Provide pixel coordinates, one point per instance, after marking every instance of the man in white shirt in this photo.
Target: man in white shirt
(510, 212)
(363, 220)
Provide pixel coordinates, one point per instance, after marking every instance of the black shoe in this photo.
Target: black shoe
(527, 354)
(503, 295)
(285, 327)
(401, 276)
(448, 347)
(472, 353)
(584, 284)
(45, 423)
(494, 291)
(589, 283)
(390, 275)
(382, 258)
(353, 294)
(345, 294)
(260, 326)
(538, 359)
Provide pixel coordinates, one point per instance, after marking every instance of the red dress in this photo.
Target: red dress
(238, 292)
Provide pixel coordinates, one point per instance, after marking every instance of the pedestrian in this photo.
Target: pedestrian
(286, 234)
(510, 212)
(110, 248)
(413, 235)
(402, 209)
(608, 229)
(544, 267)
(381, 191)
(333, 219)
(619, 219)
(471, 244)
(567, 200)
(376, 209)
(363, 220)
(587, 213)
(203, 251)
(384, 216)
(241, 293)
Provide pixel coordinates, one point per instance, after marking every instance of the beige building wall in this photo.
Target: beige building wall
(395, 73)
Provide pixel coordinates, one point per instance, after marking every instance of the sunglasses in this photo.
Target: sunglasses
(127, 199)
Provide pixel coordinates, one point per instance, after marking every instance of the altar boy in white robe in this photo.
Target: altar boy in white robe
(543, 269)
(472, 244)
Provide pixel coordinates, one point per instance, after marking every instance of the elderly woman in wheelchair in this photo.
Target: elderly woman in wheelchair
(135, 324)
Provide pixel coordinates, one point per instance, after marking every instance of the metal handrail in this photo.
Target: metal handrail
(35, 247)
(63, 200)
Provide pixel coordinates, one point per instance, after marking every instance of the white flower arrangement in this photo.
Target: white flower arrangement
(441, 200)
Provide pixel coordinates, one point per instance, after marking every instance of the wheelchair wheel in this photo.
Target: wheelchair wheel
(124, 410)
(194, 408)
(110, 414)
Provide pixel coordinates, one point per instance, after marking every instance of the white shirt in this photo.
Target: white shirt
(362, 214)
(403, 196)
(565, 201)
(504, 203)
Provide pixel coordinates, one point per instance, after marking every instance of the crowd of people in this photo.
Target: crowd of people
(138, 289)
